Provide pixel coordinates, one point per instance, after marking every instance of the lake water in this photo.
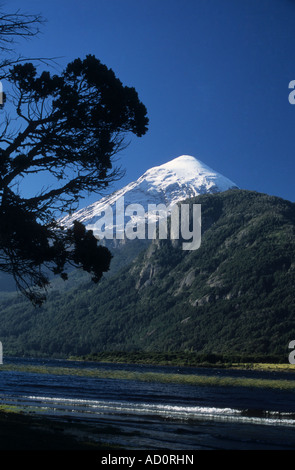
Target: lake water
(158, 416)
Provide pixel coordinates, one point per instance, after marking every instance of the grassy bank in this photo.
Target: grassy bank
(180, 359)
(187, 379)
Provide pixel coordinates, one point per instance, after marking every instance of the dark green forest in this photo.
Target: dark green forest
(232, 298)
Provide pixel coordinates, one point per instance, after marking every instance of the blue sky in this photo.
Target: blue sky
(213, 75)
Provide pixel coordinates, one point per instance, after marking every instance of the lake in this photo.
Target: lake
(124, 405)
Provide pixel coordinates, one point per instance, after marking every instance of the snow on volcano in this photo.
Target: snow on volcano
(179, 179)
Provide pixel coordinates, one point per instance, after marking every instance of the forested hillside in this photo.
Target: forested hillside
(234, 295)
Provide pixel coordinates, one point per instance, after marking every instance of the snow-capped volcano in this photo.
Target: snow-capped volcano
(179, 179)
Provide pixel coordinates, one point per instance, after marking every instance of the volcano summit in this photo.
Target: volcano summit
(175, 181)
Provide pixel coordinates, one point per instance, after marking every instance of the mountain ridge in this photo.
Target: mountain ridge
(234, 295)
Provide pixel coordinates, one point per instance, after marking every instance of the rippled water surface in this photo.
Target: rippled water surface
(138, 414)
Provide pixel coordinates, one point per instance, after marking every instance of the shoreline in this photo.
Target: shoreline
(188, 361)
(135, 360)
(31, 432)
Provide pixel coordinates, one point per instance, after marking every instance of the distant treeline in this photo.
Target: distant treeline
(183, 359)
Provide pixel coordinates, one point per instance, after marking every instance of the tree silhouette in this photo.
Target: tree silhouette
(14, 27)
(70, 126)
